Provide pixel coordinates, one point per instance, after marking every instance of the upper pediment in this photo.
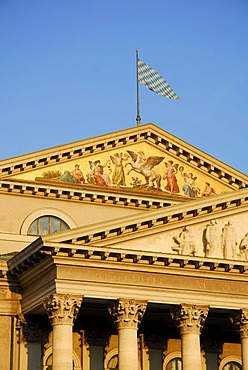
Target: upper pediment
(144, 157)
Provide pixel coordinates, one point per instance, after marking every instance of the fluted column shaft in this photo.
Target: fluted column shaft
(62, 311)
(241, 323)
(190, 320)
(127, 314)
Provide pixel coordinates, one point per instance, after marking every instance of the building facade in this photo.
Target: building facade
(125, 251)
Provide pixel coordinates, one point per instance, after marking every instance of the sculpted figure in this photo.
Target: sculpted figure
(229, 241)
(243, 247)
(212, 235)
(185, 242)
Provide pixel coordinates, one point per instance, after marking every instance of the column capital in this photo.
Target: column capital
(127, 313)
(190, 318)
(62, 309)
(240, 321)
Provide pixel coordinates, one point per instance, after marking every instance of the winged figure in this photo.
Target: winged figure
(145, 167)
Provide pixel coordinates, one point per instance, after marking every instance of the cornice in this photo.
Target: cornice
(116, 258)
(148, 133)
(89, 193)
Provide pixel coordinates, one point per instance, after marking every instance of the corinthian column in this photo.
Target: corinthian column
(127, 315)
(190, 320)
(241, 324)
(62, 310)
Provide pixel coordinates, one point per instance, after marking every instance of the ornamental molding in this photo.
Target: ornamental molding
(127, 313)
(62, 309)
(190, 318)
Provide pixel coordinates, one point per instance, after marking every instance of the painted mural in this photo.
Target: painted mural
(140, 167)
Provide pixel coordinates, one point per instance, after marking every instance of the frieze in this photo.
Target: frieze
(163, 280)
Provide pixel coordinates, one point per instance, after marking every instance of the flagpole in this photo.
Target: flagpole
(138, 118)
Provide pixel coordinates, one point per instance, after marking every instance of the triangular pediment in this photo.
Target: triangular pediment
(169, 229)
(136, 159)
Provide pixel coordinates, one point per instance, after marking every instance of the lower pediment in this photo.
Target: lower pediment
(216, 228)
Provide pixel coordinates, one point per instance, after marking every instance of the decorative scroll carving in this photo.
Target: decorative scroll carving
(190, 318)
(127, 313)
(62, 309)
(240, 321)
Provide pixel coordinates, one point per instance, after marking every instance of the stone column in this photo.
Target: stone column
(190, 320)
(127, 314)
(62, 310)
(241, 323)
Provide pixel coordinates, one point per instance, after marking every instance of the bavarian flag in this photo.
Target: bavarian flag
(154, 81)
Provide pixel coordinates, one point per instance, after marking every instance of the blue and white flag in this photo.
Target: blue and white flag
(154, 82)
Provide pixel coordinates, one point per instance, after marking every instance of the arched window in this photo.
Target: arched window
(174, 364)
(113, 363)
(49, 363)
(47, 225)
(232, 366)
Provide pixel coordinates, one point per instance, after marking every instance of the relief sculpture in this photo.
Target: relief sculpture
(185, 243)
(229, 241)
(216, 240)
(213, 240)
(243, 247)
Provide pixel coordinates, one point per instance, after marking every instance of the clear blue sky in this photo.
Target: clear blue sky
(67, 72)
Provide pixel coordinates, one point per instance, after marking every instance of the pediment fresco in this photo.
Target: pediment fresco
(144, 157)
(140, 166)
